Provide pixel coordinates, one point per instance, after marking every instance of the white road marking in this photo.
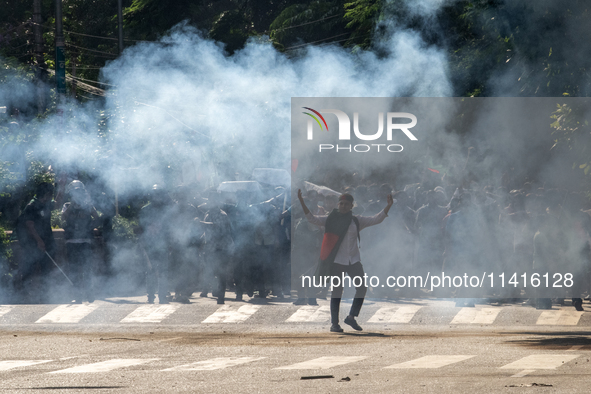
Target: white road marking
(309, 313)
(71, 313)
(150, 313)
(541, 361)
(4, 309)
(71, 357)
(476, 316)
(523, 373)
(560, 317)
(226, 314)
(324, 362)
(214, 363)
(574, 348)
(403, 314)
(106, 366)
(5, 365)
(431, 362)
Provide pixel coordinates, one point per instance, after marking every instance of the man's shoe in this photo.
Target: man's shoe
(351, 321)
(336, 328)
(578, 304)
(300, 301)
(221, 302)
(150, 299)
(312, 301)
(203, 294)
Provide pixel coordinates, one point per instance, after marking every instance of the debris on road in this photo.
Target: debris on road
(317, 377)
(530, 385)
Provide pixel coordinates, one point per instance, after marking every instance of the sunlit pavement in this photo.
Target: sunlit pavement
(270, 345)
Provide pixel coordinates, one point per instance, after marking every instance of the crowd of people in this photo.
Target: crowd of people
(473, 230)
(212, 242)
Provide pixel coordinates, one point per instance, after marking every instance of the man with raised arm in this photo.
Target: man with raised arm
(340, 252)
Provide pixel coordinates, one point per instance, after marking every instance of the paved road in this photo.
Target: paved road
(281, 315)
(124, 346)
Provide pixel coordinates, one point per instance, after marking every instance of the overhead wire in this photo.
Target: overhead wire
(90, 80)
(302, 24)
(89, 50)
(326, 43)
(313, 42)
(88, 35)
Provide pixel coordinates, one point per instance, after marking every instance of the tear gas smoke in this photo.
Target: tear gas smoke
(182, 111)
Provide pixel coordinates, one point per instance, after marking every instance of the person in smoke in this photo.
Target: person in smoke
(265, 264)
(183, 239)
(219, 246)
(308, 242)
(561, 244)
(428, 226)
(340, 252)
(79, 218)
(36, 241)
(463, 239)
(241, 219)
(154, 242)
(282, 228)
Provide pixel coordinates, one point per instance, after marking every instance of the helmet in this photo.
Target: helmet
(76, 184)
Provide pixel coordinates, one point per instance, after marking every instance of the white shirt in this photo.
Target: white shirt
(349, 251)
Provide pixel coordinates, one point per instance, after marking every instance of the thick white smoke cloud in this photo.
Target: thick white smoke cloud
(184, 89)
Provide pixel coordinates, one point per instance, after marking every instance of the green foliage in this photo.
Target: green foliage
(124, 228)
(535, 45)
(231, 28)
(150, 19)
(56, 218)
(361, 16)
(573, 134)
(319, 22)
(5, 251)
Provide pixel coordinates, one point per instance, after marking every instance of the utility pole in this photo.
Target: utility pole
(40, 71)
(60, 57)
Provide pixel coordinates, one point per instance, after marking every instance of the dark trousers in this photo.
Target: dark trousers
(80, 267)
(220, 260)
(157, 274)
(352, 270)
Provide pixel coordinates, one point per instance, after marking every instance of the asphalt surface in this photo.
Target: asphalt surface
(123, 345)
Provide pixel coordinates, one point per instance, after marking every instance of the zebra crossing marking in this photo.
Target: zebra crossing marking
(4, 309)
(69, 313)
(150, 313)
(5, 365)
(523, 373)
(403, 314)
(226, 314)
(476, 316)
(309, 313)
(106, 366)
(324, 362)
(214, 363)
(560, 317)
(534, 362)
(435, 361)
